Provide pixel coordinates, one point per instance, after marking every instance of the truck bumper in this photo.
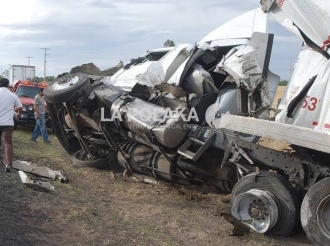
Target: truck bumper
(29, 119)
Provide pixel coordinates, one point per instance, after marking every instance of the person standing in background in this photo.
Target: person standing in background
(8, 101)
(40, 113)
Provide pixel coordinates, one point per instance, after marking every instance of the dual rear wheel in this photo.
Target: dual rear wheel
(267, 203)
(315, 213)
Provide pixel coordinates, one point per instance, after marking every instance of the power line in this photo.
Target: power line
(28, 57)
(45, 62)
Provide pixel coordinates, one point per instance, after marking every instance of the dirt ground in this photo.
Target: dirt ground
(99, 208)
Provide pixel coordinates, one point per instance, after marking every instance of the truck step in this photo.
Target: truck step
(194, 148)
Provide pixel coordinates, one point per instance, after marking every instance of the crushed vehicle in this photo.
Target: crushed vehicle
(26, 91)
(196, 115)
(141, 113)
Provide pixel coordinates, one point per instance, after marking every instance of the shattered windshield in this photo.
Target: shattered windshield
(156, 56)
(27, 91)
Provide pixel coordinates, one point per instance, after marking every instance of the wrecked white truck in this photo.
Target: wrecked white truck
(195, 114)
(158, 114)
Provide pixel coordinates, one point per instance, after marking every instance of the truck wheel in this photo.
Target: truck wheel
(267, 203)
(315, 213)
(69, 142)
(80, 159)
(67, 88)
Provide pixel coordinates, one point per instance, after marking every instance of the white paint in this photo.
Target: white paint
(239, 28)
(34, 183)
(301, 136)
(310, 16)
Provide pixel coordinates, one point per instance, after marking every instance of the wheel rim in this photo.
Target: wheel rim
(65, 82)
(323, 216)
(258, 209)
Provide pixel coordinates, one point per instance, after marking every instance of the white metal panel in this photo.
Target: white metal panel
(229, 42)
(248, 59)
(301, 136)
(172, 61)
(240, 62)
(285, 21)
(30, 72)
(146, 72)
(240, 27)
(5, 74)
(175, 78)
(317, 102)
(21, 72)
(18, 73)
(310, 16)
(10, 77)
(125, 79)
(151, 73)
(273, 80)
(308, 64)
(312, 111)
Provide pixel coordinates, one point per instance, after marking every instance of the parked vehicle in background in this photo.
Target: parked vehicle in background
(19, 73)
(26, 91)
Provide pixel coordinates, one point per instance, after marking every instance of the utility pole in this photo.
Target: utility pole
(28, 57)
(45, 62)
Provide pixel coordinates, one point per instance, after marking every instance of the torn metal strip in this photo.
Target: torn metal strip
(35, 183)
(39, 170)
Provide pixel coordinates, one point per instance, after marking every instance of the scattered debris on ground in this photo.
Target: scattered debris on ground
(39, 170)
(239, 228)
(35, 183)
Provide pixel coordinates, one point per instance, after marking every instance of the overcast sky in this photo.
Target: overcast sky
(108, 31)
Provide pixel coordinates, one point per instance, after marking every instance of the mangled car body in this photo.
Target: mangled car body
(174, 119)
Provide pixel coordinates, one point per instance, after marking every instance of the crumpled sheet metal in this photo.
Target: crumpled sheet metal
(39, 170)
(310, 16)
(35, 183)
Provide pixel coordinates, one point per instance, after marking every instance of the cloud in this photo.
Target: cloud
(100, 4)
(107, 31)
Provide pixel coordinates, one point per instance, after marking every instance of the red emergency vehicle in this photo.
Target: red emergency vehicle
(26, 91)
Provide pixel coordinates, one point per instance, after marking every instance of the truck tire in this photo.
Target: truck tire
(67, 88)
(69, 143)
(282, 195)
(315, 213)
(80, 160)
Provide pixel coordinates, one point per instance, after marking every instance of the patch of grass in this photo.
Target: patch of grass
(26, 149)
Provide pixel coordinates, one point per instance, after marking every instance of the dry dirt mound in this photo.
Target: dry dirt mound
(92, 69)
(88, 68)
(113, 70)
